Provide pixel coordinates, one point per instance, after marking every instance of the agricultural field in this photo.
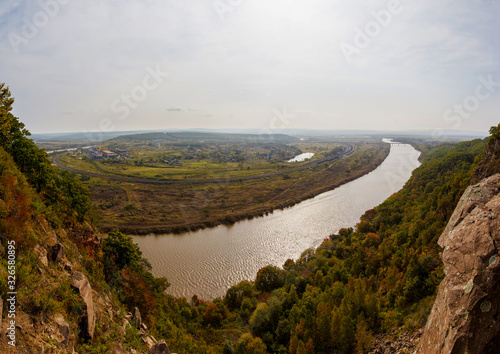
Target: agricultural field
(142, 208)
(197, 159)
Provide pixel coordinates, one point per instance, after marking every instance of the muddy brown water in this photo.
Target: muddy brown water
(208, 262)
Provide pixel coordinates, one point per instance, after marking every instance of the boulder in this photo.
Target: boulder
(80, 281)
(57, 253)
(136, 319)
(465, 316)
(63, 328)
(160, 348)
(149, 341)
(41, 253)
(143, 330)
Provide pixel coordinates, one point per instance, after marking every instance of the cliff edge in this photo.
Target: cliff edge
(464, 318)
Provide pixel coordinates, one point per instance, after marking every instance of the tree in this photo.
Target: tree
(59, 190)
(10, 126)
(215, 313)
(119, 252)
(269, 278)
(495, 132)
(228, 348)
(235, 294)
(260, 319)
(247, 344)
(363, 338)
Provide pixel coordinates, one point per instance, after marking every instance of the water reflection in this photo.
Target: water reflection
(302, 157)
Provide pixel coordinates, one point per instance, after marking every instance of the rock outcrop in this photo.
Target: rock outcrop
(63, 328)
(41, 253)
(57, 255)
(80, 281)
(136, 318)
(160, 348)
(490, 161)
(404, 342)
(465, 316)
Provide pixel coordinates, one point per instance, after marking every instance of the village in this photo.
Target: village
(100, 153)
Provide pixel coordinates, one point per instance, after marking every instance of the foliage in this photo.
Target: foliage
(495, 132)
(269, 278)
(57, 188)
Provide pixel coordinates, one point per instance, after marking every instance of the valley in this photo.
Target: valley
(151, 189)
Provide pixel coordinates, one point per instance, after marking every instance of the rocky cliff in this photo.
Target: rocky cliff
(490, 160)
(464, 318)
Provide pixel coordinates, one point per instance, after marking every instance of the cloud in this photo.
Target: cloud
(261, 55)
(174, 109)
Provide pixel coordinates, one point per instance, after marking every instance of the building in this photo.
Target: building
(95, 155)
(109, 154)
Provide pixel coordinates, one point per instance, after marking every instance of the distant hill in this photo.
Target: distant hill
(215, 137)
(82, 136)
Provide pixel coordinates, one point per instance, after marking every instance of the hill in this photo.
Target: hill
(197, 137)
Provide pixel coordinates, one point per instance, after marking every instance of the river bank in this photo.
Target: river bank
(207, 262)
(141, 209)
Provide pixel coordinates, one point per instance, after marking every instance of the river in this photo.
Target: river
(302, 157)
(207, 262)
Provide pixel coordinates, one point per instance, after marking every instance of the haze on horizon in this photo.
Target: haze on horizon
(251, 64)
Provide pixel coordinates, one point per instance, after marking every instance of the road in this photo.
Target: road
(349, 151)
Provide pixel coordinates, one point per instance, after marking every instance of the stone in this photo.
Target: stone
(136, 319)
(125, 324)
(160, 348)
(52, 238)
(63, 328)
(80, 281)
(150, 342)
(465, 315)
(41, 253)
(57, 253)
(67, 265)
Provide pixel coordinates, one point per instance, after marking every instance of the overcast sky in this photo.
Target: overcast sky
(88, 65)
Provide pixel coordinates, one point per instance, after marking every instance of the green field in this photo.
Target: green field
(209, 161)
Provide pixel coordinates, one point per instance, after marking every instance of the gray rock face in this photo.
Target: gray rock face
(160, 348)
(63, 327)
(80, 281)
(465, 316)
(136, 319)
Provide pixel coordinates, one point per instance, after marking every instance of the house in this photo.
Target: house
(122, 152)
(172, 161)
(109, 154)
(95, 155)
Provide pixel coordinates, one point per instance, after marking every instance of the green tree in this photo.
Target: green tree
(269, 278)
(119, 252)
(235, 294)
(59, 190)
(247, 344)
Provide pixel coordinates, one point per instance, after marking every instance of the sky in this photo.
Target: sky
(118, 65)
